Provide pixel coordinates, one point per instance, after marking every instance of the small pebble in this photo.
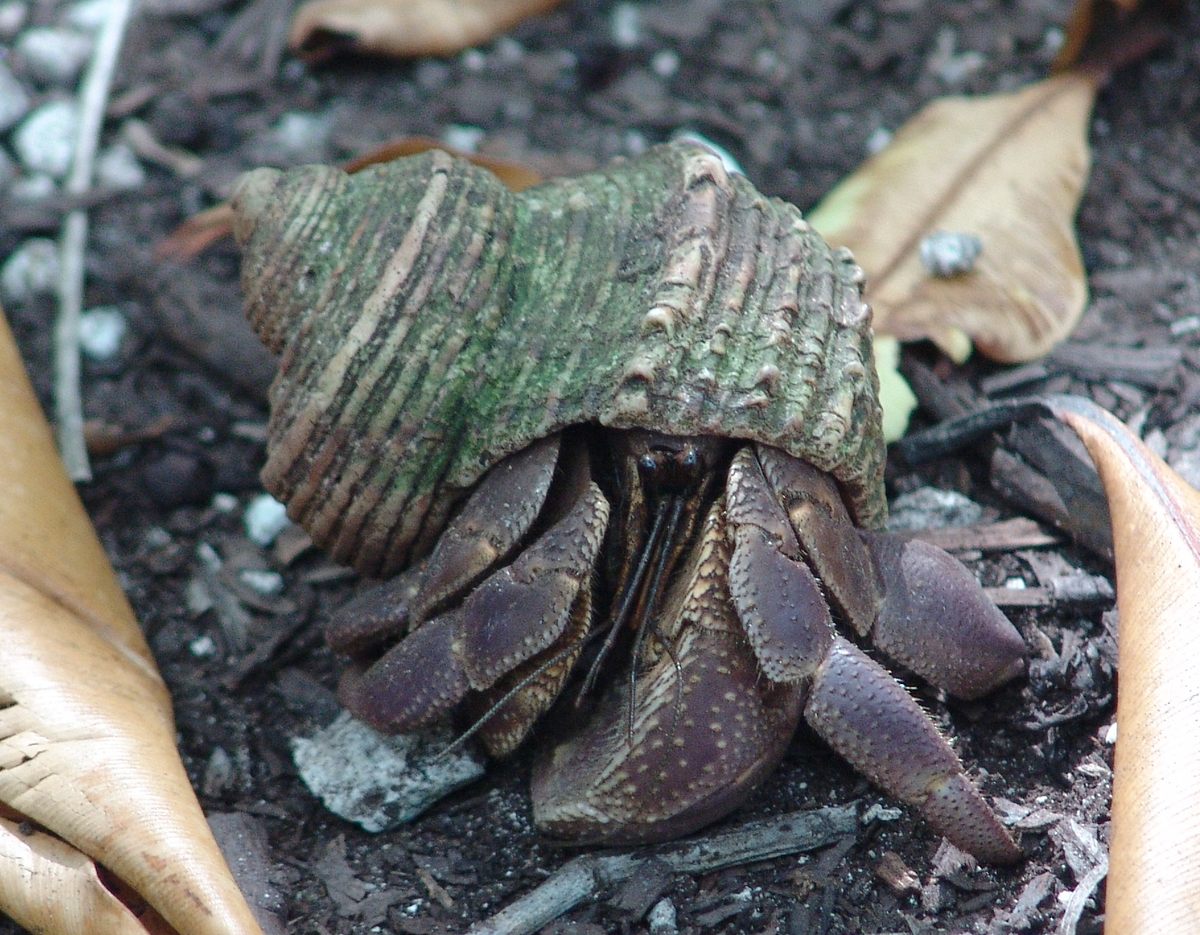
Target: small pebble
(462, 137)
(36, 186)
(12, 18)
(298, 135)
(101, 331)
(261, 581)
(53, 55)
(45, 140)
(626, 26)
(30, 271)
(118, 167)
(950, 253)
(14, 102)
(932, 508)
(662, 918)
(376, 781)
(665, 63)
(879, 140)
(691, 136)
(89, 15)
(224, 502)
(265, 518)
(202, 647)
(879, 812)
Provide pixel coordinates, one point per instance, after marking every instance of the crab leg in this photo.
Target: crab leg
(513, 615)
(490, 524)
(918, 604)
(853, 703)
(871, 720)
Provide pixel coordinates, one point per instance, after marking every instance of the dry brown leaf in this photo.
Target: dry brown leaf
(405, 28)
(1009, 168)
(87, 739)
(1154, 865)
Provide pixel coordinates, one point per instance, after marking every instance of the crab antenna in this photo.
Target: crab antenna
(627, 601)
(664, 553)
(506, 698)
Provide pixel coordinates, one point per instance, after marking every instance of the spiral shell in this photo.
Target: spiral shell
(432, 322)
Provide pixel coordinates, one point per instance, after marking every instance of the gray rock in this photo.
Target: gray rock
(14, 102)
(54, 55)
(30, 271)
(932, 508)
(8, 169)
(45, 140)
(35, 186)
(101, 331)
(12, 17)
(379, 782)
(89, 15)
(118, 167)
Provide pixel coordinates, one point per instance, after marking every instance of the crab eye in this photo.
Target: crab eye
(648, 463)
(691, 459)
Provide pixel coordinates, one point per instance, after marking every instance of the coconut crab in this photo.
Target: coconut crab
(617, 432)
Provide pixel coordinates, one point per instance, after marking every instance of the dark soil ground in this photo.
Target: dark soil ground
(797, 92)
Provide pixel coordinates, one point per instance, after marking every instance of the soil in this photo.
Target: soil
(797, 93)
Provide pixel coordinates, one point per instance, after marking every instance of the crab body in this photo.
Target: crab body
(615, 437)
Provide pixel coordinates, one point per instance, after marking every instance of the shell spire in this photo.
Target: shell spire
(432, 322)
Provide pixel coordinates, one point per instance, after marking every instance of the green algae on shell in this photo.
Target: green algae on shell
(431, 322)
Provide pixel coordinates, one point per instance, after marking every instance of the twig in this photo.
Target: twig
(68, 401)
(582, 877)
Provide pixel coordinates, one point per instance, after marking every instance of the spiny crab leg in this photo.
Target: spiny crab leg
(854, 704)
(508, 619)
(492, 522)
(915, 602)
(873, 722)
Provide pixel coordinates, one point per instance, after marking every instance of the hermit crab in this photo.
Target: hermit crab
(614, 444)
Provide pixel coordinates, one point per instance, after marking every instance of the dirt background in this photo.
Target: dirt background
(798, 93)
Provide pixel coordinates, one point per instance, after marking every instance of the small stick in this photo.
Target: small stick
(68, 402)
(581, 878)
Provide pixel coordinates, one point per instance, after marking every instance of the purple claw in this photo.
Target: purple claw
(871, 720)
(936, 620)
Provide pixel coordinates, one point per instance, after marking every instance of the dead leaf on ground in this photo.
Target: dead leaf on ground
(201, 231)
(404, 28)
(1107, 33)
(1008, 168)
(89, 774)
(1154, 865)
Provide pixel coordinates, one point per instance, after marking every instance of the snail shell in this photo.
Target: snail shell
(431, 322)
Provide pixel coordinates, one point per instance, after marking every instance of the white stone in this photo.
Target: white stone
(14, 102)
(626, 26)
(376, 781)
(12, 17)
(224, 502)
(463, 137)
(665, 63)
(36, 186)
(202, 647)
(950, 253)
(118, 167)
(54, 55)
(726, 157)
(89, 15)
(265, 518)
(931, 508)
(299, 135)
(101, 331)
(45, 140)
(262, 581)
(30, 271)
(662, 919)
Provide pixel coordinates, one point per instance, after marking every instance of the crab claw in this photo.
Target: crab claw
(706, 728)
(873, 722)
(936, 620)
